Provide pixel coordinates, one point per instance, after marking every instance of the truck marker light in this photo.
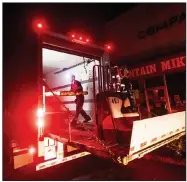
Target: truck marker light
(80, 38)
(87, 40)
(108, 47)
(73, 36)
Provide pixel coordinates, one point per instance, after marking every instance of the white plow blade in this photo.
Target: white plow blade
(150, 131)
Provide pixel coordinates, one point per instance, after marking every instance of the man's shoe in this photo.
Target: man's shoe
(87, 119)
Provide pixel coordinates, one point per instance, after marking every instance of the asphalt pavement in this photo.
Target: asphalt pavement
(93, 168)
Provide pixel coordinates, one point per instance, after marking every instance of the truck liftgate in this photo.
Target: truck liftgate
(114, 135)
(111, 133)
(124, 143)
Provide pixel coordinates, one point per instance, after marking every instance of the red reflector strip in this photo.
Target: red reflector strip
(53, 163)
(143, 144)
(154, 139)
(163, 136)
(171, 132)
(57, 161)
(82, 154)
(41, 167)
(65, 159)
(177, 130)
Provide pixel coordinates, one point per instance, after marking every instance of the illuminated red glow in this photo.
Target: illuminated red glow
(108, 47)
(39, 25)
(73, 35)
(40, 112)
(40, 123)
(32, 150)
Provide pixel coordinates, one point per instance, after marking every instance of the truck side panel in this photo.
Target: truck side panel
(21, 95)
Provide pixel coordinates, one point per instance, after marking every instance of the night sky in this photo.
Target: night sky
(60, 17)
(87, 18)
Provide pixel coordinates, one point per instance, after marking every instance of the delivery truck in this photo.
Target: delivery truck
(45, 106)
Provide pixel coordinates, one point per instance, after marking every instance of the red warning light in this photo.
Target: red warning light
(108, 47)
(39, 25)
(87, 40)
(73, 35)
(80, 38)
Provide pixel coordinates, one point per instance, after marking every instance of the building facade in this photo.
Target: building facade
(151, 40)
(148, 31)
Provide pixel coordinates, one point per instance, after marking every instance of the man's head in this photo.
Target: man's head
(72, 78)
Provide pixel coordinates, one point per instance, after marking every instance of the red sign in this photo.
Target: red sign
(174, 64)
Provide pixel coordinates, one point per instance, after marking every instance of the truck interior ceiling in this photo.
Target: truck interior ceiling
(57, 70)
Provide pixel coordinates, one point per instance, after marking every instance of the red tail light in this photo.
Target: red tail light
(40, 112)
(32, 150)
(40, 123)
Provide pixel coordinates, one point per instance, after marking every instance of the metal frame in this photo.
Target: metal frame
(164, 87)
(101, 82)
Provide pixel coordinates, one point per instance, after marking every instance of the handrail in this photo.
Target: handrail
(67, 109)
(55, 95)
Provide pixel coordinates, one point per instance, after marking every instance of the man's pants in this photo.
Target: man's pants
(79, 108)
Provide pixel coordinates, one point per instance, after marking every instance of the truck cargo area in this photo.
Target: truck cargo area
(58, 67)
